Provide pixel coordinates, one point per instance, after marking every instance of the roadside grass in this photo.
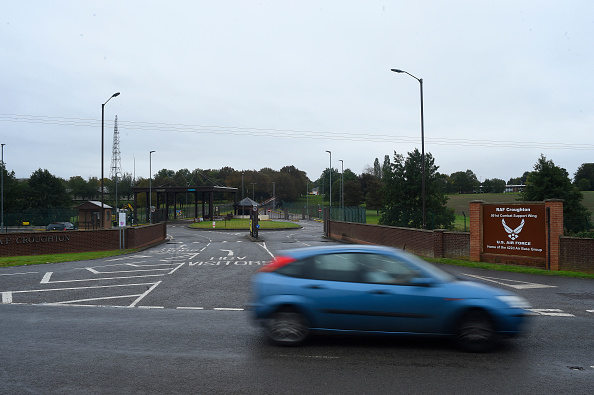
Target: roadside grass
(56, 258)
(509, 268)
(243, 224)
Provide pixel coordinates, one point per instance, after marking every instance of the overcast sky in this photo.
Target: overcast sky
(253, 84)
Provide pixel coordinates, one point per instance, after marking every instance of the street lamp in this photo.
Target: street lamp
(330, 179)
(422, 141)
(151, 187)
(102, 145)
(2, 183)
(341, 200)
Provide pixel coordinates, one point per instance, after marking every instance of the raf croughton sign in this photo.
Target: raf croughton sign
(514, 229)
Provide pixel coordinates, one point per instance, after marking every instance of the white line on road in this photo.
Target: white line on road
(502, 281)
(46, 278)
(263, 245)
(190, 308)
(17, 274)
(144, 294)
(228, 309)
(552, 312)
(7, 297)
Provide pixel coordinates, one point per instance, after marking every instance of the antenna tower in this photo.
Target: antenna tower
(116, 160)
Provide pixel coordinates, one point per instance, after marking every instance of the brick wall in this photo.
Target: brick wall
(576, 254)
(438, 243)
(39, 243)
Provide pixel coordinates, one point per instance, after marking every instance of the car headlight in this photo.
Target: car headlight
(514, 301)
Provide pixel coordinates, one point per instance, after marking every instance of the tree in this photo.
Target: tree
(584, 172)
(548, 181)
(519, 180)
(12, 192)
(46, 191)
(403, 194)
(494, 185)
(464, 182)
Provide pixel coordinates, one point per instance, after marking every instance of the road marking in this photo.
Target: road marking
(46, 278)
(229, 252)
(145, 294)
(590, 311)
(502, 281)
(551, 312)
(7, 297)
(228, 309)
(18, 274)
(263, 245)
(190, 308)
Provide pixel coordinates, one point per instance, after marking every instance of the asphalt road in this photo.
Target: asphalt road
(171, 319)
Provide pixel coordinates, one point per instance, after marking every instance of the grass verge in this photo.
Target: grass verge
(55, 258)
(508, 268)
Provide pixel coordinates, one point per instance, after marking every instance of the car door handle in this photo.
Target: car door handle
(314, 286)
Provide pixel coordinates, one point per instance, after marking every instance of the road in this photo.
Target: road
(171, 319)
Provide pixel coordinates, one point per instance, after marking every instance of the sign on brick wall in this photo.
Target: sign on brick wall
(514, 229)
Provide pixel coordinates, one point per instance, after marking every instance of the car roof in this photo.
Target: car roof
(301, 253)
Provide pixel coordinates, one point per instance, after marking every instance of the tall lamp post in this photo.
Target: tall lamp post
(2, 193)
(151, 187)
(102, 145)
(330, 179)
(422, 141)
(341, 200)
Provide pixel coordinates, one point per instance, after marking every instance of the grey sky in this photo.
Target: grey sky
(251, 84)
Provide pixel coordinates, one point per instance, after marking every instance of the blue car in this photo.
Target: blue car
(364, 289)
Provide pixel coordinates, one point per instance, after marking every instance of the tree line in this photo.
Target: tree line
(392, 187)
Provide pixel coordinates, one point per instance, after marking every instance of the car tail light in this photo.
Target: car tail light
(276, 264)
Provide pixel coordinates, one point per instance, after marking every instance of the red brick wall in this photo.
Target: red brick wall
(39, 243)
(428, 243)
(576, 254)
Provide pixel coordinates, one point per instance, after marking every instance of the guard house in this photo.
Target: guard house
(91, 217)
(170, 194)
(245, 206)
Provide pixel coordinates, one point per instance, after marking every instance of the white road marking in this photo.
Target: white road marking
(552, 312)
(228, 309)
(18, 274)
(144, 294)
(46, 278)
(590, 311)
(263, 245)
(229, 252)
(190, 308)
(7, 297)
(502, 281)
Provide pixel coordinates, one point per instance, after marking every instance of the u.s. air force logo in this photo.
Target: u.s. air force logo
(512, 233)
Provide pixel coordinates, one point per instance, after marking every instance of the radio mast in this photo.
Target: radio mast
(116, 160)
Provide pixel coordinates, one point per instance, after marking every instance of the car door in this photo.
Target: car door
(336, 296)
(394, 301)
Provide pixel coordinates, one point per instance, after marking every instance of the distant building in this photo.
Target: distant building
(514, 188)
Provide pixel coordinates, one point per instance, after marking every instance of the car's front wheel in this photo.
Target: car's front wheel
(476, 332)
(287, 327)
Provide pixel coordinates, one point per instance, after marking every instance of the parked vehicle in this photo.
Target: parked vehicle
(60, 226)
(378, 290)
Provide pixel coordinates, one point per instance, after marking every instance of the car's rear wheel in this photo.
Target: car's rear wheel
(476, 332)
(287, 327)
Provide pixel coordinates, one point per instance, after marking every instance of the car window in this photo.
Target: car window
(295, 269)
(385, 269)
(336, 267)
